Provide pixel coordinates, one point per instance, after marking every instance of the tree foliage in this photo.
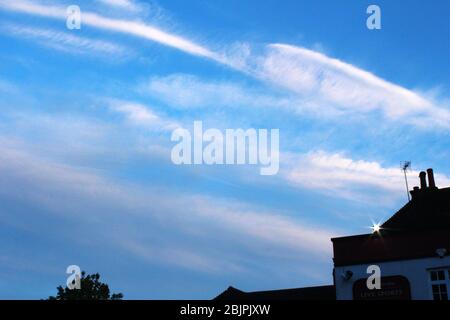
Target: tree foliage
(91, 289)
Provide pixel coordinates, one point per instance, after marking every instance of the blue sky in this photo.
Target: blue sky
(87, 115)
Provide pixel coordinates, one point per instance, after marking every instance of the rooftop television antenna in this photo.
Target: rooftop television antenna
(406, 166)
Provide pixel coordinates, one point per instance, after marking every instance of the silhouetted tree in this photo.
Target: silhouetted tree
(91, 289)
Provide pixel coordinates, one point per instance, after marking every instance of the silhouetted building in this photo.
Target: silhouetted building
(411, 249)
(310, 293)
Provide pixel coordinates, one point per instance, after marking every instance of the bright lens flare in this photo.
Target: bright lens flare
(376, 227)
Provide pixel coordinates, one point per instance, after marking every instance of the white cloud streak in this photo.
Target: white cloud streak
(130, 27)
(188, 91)
(338, 175)
(332, 85)
(326, 88)
(140, 114)
(64, 41)
(129, 5)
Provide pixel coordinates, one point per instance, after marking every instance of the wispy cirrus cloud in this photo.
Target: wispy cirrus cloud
(140, 114)
(60, 189)
(326, 84)
(312, 78)
(317, 85)
(130, 27)
(331, 85)
(190, 91)
(339, 175)
(129, 5)
(66, 42)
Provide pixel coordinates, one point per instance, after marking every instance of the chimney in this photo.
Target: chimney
(415, 192)
(431, 182)
(423, 180)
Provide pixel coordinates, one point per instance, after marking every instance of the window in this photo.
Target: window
(440, 283)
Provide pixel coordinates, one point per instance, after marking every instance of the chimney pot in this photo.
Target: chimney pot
(431, 182)
(423, 180)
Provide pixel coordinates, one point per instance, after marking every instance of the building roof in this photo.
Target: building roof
(429, 209)
(308, 293)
